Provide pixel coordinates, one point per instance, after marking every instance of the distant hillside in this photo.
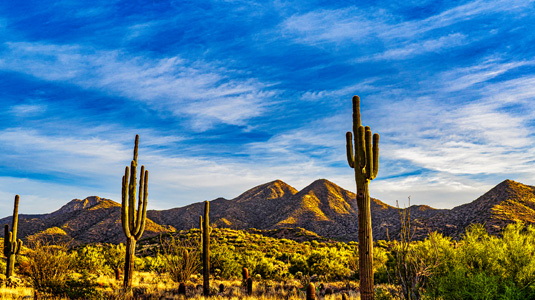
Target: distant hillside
(93, 219)
(322, 209)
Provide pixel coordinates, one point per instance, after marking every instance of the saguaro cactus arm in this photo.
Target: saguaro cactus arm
(366, 152)
(125, 220)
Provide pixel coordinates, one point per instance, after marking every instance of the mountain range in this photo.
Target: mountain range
(322, 207)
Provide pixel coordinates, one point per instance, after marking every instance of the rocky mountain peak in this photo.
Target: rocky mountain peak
(272, 190)
(79, 204)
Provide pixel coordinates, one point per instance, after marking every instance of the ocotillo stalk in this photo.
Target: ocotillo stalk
(206, 250)
(365, 161)
(11, 245)
(133, 220)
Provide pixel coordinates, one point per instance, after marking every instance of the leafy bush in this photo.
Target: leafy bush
(91, 259)
(488, 267)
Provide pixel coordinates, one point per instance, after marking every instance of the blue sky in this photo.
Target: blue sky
(227, 95)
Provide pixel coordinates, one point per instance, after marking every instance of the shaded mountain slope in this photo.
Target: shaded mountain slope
(322, 207)
(90, 220)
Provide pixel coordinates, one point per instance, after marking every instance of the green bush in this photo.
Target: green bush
(91, 259)
(488, 267)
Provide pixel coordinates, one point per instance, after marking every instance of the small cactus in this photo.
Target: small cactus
(12, 247)
(118, 273)
(311, 291)
(244, 273)
(249, 286)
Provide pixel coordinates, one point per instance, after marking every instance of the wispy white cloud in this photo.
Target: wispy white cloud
(207, 93)
(366, 85)
(359, 25)
(466, 77)
(26, 110)
(413, 49)
(338, 25)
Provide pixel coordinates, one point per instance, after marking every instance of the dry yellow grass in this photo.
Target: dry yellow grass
(15, 293)
(160, 286)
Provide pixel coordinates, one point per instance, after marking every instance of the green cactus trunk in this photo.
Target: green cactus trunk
(133, 220)
(365, 161)
(200, 239)
(10, 265)
(206, 250)
(12, 247)
(129, 261)
(365, 245)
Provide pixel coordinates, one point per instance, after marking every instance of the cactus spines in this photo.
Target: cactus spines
(206, 249)
(12, 247)
(311, 291)
(133, 220)
(365, 160)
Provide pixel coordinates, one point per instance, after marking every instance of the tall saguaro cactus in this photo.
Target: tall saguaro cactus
(132, 219)
(206, 249)
(365, 161)
(11, 245)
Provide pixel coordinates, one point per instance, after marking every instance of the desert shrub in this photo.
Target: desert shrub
(181, 258)
(269, 268)
(51, 271)
(114, 256)
(518, 261)
(330, 263)
(157, 263)
(380, 258)
(226, 262)
(91, 259)
(298, 264)
(50, 266)
(488, 267)
(2, 266)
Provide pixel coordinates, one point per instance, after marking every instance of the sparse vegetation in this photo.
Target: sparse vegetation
(478, 266)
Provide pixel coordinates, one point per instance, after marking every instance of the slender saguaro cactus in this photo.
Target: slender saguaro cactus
(133, 220)
(11, 245)
(200, 239)
(206, 250)
(365, 161)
